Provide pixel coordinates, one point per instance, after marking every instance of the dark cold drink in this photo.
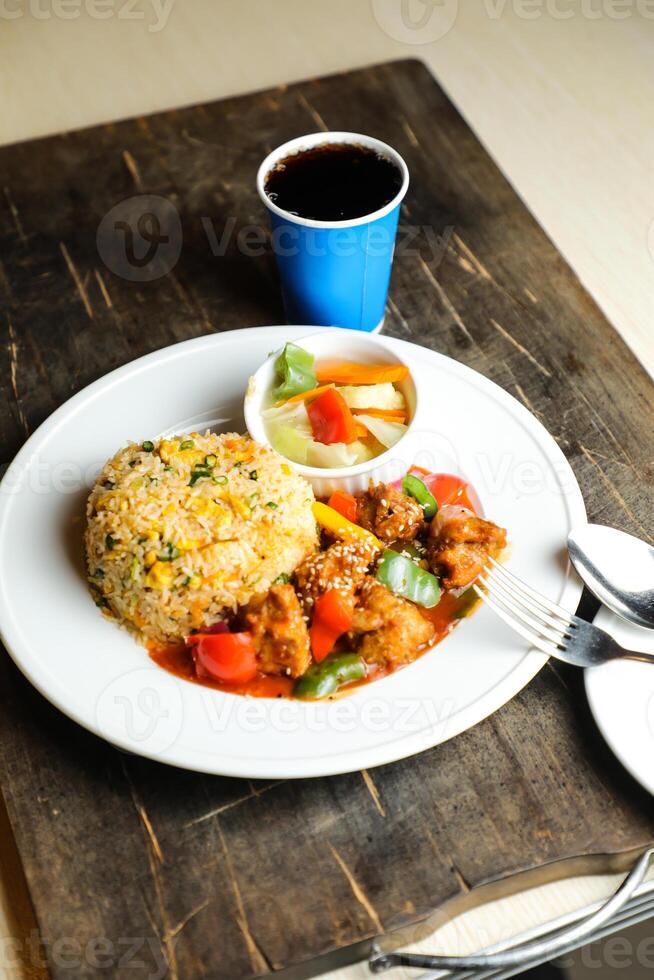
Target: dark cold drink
(333, 182)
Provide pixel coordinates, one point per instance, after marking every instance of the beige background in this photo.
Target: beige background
(564, 103)
(560, 91)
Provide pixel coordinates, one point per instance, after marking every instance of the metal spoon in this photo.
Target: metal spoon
(618, 569)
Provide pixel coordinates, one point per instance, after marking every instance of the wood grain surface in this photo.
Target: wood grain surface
(135, 869)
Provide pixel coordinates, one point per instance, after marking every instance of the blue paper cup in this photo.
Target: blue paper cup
(334, 273)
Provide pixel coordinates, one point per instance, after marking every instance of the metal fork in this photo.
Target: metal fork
(547, 626)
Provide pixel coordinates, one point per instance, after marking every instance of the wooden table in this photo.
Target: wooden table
(282, 874)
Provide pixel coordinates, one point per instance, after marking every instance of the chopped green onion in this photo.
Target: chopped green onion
(210, 461)
(109, 542)
(134, 569)
(169, 553)
(199, 473)
(252, 500)
(220, 480)
(272, 505)
(186, 580)
(99, 573)
(187, 444)
(254, 475)
(282, 579)
(148, 446)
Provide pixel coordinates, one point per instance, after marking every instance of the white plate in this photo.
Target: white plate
(97, 675)
(621, 697)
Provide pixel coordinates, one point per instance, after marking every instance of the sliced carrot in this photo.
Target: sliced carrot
(351, 373)
(394, 414)
(361, 431)
(304, 395)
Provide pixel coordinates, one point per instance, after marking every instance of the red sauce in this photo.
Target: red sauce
(177, 659)
(445, 615)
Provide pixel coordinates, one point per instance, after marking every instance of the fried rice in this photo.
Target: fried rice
(183, 530)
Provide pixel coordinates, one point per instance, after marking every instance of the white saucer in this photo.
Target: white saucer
(621, 697)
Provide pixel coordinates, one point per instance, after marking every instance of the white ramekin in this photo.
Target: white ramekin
(346, 345)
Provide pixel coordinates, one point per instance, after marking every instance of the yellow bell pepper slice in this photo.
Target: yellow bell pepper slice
(330, 520)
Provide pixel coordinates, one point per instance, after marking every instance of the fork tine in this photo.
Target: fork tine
(547, 604)
(543, 645)
(552, 628)
(508, 604)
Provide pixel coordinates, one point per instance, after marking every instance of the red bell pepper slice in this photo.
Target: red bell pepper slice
(333, 614)
(444, 487)
(331, 419)
(345, 504)
(226, 657)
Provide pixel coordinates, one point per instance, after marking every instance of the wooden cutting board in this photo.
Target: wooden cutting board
(145, 868)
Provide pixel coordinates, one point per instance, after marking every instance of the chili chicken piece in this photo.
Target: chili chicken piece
(279, 631)
(389, 513)
(394, 631)
(342, 566)
(460, 544)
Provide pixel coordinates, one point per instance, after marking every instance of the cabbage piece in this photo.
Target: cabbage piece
(366, 450)
(290, 442)
(386, 432)
(289, 430)
(293, 414)
(373, 396)
(335, 455)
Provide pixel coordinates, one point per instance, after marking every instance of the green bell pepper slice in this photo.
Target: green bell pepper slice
(325, 678)
(414, 487)
(467, 601)
(294, 371)
(403, 577)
